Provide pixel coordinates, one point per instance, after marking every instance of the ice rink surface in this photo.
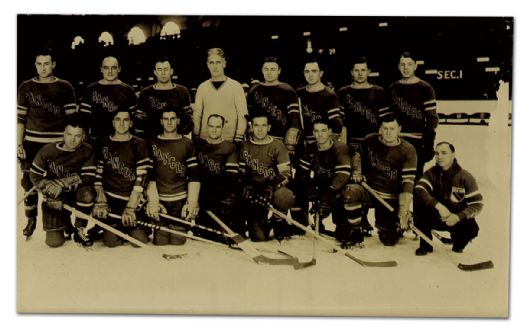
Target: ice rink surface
(216, 280)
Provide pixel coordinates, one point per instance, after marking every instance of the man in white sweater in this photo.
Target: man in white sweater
(223, 96)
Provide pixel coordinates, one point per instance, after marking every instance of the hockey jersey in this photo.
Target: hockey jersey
(389, 170)
(122, 166)
(42, 108)
(174, 165)
(101, 102)
(361, 109)
(323, 105)
(454, 188)
(262, 163)
(153, 101)
(331, 167)
(53, 162)
(279, 103)
(416, 107)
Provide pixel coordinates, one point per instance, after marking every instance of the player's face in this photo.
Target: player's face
(169, 122)
(390, 132)
(271, 72)
(407, 67)
(312, 73)
(215, 128)
(110, 69)
(322, 133)
(44, 66)
(360, 73)
(260, 128)
(443, 156)
(122, 123)
(163, 71)
(73, 137)
(216, 65)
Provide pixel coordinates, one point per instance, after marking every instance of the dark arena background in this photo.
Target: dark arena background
(462, 57)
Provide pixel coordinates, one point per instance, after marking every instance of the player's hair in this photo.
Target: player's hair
(389, 117)
(408, 54)
(175, 110)
(74, 120)
(45, 51)
(162, 58)
(106, 56)
(311, 59)
(259, 115)
(322, 120)
(218, 116)
(124, 110)
(358, 60)
(452, 148)
(217, 51)
(272, 59)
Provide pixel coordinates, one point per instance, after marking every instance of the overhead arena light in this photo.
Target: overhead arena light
(420, 62)
(383, 24)
(430, 71)
(373, 74)
(274, 37)
(483, 59)
(343, 29)
(78, 40)
(309, 46)
(170, 29)
(492, 69)
(136, 36)
(306, 33)
(106, 38)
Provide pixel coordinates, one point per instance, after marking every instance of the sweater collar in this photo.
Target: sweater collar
(455, 168)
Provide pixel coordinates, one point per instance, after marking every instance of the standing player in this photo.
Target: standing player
(174, 185)
(277, 100)
(413, 101)
(264, 163)
(64, 173)
(362, 104)
(447, 198)
(44, 102)
(318, 102)
(389, 164)
(103, 99)
(121, 175)
(218, 166)
(159, 96)
(223, 96)
(330, 163)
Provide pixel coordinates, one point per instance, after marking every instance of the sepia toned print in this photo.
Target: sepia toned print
(296, 168)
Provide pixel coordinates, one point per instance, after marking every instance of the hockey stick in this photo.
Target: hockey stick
(27, 194)
(250, 250)
(443, 239)
(464, 267)
(182, 221)
(119, 233)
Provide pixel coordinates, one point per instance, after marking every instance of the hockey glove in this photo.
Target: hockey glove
(153, 209)
(50, 188)
(20, 152)
(128, 217)
(100, 210)
(69, 181)
(55, 204)
(280, 181)
(190, 210)
(452, 220)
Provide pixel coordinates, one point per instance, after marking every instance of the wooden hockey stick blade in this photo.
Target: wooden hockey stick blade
(248, 249)
(464, 267)
(299, 265)
(330, 243)
(114, 231)
(443, 239)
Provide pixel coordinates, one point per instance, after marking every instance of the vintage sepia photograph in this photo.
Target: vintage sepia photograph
(264, 165)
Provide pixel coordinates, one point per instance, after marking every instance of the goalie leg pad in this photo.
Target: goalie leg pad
(55, 238)
(53, 220)
(283, 199)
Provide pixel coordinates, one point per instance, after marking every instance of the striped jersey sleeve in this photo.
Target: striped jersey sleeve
(143, 166)
(192, 164)
(472, 197)
(409, 169)
(342, 170)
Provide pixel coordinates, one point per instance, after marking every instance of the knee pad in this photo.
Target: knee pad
(389, 237)
(52, 220)
(177, 240)
(85, 195)
(140, 235)
(111, 240)
(283, 199)
(54, 238)
(353, 193)
(161, 238)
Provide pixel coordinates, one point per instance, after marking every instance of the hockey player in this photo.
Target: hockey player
(218, 166)
(64, 172)
(413, 100)
(331, 165)
(121, 175)
(278, 100)
(264, 163)
(164, 94)
(388, 165)
(103, 99)
(44, 103)
(220, 95)
(362, 104)
(318, 102)
(447, 198)
(174, 185)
